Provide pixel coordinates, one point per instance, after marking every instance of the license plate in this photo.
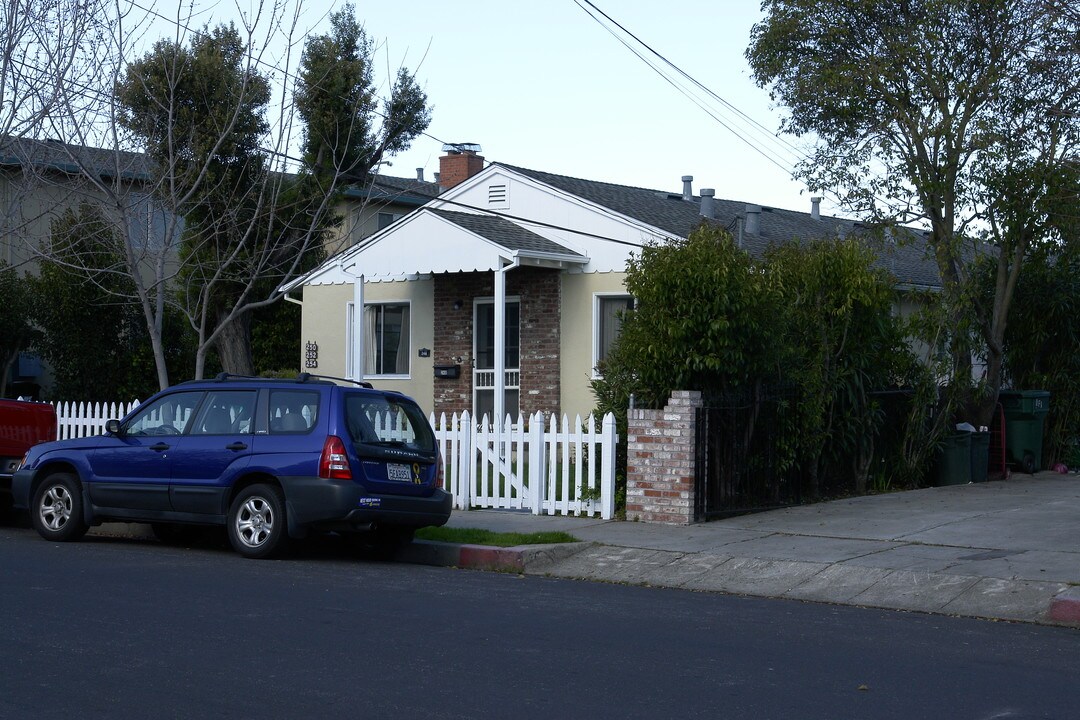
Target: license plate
(398, 472)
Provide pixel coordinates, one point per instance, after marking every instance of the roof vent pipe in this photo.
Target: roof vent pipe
(420, 174)
(753, 219)
(436, 178)
(815, 208)
(708, 205)
(687, 189)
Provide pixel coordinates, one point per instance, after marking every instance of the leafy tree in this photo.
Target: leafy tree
(249, 225)
(841, 342)
(17, 331)
(702, 310)
(954, 113)
(336, 98)
(275, 338)
(200, 111)
(815, 317)
(1041, 341)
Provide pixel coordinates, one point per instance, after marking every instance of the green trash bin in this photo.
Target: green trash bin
(980, 455)
(1025, 412)
(954, 463)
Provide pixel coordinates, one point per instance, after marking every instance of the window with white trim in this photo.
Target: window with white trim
(387, 338)
(609, 311)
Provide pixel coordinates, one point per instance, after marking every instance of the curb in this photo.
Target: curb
(420, 552)
(488, 557)
(1065, 608)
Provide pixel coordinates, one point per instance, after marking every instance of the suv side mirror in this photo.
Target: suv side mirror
(113, 427)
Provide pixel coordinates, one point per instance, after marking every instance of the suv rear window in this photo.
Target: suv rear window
(387, 422)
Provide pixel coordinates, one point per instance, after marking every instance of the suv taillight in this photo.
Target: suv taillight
(439, 477)
(334, 463)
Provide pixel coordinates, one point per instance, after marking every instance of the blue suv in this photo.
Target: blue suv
(269, 459)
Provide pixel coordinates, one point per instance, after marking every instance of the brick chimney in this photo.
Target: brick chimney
(460, 163)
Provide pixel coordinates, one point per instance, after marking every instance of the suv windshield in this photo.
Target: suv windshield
(387, 422)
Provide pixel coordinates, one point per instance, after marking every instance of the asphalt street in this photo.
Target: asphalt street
(113, 627)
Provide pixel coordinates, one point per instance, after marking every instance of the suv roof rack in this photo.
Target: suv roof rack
(300, 378)
(306, 377)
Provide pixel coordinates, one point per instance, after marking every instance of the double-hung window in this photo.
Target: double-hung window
(609, 310)
(386, 338)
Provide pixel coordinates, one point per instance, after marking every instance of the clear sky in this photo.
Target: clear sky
(542, 85)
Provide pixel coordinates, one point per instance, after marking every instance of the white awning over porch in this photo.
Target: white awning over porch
(439, 241)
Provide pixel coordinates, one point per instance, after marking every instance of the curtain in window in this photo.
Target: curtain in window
(402, 365)
(371, 334)
(611, 310)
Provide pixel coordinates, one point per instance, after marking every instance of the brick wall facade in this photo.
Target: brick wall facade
(661, 461)
(539, 293)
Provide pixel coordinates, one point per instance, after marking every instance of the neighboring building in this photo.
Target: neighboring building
(41, 179)
(555, 247)
(373, 206)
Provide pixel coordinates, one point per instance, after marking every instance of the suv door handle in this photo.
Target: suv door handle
(236, 446)
(159, 447)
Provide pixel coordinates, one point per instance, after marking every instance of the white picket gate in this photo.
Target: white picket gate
(540, 467)
(77, 420)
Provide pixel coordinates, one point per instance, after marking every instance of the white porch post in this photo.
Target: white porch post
(500, 348)
(357, 369)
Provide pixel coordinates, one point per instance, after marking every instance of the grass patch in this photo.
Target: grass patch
(476, 536)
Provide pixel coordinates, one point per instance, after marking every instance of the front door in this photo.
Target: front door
(484, 363)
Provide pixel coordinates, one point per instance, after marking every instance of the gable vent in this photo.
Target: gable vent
(497, 195)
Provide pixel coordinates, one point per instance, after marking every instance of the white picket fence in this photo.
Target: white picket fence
(542, 466)
(76, 420)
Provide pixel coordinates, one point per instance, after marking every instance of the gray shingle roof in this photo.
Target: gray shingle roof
(669, 212)
(404, 191)
(67, 158)
(504, 233)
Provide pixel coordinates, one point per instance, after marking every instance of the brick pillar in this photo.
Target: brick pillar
(661, 461)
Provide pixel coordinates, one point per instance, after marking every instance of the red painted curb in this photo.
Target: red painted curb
(1065, 607)
(486, 557)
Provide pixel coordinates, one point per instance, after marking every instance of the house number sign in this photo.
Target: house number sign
(311, 355)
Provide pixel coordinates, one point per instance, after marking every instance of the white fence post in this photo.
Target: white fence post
(466, 465)
(537, 464)
(607, 470)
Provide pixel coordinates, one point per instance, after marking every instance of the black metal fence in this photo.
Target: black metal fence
(739, 467)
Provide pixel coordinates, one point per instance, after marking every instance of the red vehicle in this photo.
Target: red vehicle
(22, 425)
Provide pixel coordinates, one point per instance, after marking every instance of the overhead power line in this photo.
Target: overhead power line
(774, 148)
(779, 155)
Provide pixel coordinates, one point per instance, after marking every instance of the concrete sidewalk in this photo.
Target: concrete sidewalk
(1007, 550)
